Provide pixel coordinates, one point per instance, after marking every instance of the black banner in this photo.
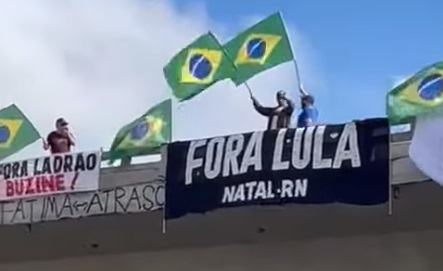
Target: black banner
(347, 163)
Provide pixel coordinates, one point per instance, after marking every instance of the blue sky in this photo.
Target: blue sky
(360, 46)
(350, 53)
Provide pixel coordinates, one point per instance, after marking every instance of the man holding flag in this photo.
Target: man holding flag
(279, 116)
(258, 48)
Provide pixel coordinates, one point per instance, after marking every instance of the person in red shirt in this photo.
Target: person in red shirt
(60, 140)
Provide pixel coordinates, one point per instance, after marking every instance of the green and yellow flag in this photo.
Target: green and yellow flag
(259, 48)
(16, 131)
(145, 135)
(197, 67)
(420, 94)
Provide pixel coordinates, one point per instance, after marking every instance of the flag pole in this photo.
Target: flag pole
(294, 60)
(164, 162)
(172, 124)
(390, 173)
(391, 198)
(249, 89)
(164, 221)
(164, 159)
(297, 71)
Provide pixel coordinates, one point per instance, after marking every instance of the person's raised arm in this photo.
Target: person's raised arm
(265, 111)
(45, 144)
(71, 138)
(303, 90)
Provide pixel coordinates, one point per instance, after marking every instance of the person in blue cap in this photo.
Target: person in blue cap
(278, 116)
(309, 114)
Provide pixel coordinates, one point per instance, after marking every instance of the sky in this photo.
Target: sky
(98, 63)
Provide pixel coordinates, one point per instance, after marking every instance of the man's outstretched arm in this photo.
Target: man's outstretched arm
(45, 144)
(265, 111)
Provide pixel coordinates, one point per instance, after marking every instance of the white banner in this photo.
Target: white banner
(426, 149)
(55, 174)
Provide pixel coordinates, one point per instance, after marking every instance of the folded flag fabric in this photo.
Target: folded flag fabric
(259, 48)
(145, 135)
(426, 146)
(196, 67)
(420, 94)
(16, 131)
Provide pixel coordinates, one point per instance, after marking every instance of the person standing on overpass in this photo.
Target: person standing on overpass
(61, 139)
(309, 114)
(278, 116)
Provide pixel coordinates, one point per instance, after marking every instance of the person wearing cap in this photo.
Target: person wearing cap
(278, 116)
(60, 140)
(309, 114)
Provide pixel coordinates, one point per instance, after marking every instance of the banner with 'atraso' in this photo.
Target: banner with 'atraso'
(347, 163)
(55, 174)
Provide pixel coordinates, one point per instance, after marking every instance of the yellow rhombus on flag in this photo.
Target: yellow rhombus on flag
(259, 48)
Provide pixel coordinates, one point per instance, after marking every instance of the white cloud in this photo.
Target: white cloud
(98, 63)
(399, 79)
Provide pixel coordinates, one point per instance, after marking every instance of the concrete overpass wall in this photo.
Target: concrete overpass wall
(394, 252)
(296, 237)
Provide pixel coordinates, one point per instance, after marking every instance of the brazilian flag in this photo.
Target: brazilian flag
(196, 67)
(16, 131)
(259, 48)
(420, 94)
(145, 135)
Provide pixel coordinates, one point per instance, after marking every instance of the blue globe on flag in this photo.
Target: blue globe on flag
(199, 66)
(140, 130)
(256, 48)
(431, 87)
(4, 133)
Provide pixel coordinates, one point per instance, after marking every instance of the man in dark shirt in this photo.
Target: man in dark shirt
(278, 116)
(60, 140)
